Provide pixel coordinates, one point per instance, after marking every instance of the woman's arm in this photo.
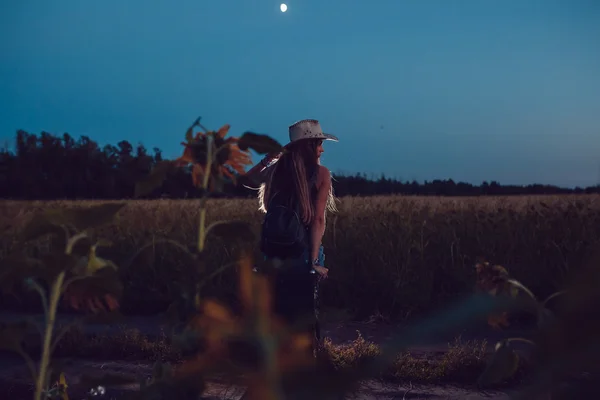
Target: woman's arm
(317, 227)
(256, 172)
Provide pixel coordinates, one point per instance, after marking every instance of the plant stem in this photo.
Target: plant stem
(205, 180)
(553, 296)
(519, 285)
(50, 319)
(522, 340)
(62, 332)
(209, 156)
(201, 228)
(36, 286)
(30, 364)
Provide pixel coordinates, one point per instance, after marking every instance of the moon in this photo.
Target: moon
(283, 7)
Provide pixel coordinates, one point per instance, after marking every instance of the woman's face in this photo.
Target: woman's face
(319, 151)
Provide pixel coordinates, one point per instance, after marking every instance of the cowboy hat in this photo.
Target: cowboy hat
(308, 129)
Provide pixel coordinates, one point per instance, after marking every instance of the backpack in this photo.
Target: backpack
(284, 234)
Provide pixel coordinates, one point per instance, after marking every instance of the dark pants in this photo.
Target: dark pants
(295, 301)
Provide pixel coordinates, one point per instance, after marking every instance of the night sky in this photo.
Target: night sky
(472, 90)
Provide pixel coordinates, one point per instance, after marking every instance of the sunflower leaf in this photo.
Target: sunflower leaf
(262, 144)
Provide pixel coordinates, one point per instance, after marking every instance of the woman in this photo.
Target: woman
(296, 182)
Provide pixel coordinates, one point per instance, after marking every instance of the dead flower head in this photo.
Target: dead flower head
(227, 158)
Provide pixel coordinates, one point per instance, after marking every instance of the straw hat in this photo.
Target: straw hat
(308, 129)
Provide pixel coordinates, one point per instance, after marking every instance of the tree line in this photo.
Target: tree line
(47, 167)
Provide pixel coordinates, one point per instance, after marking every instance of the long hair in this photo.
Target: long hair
(289, 178)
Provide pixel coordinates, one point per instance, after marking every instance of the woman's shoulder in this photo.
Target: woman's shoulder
(323, 174)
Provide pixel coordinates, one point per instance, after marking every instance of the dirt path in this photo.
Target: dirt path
(369, 390)
(11, 367)
(338, 331)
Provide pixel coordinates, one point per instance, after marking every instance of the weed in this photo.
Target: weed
(565, 343)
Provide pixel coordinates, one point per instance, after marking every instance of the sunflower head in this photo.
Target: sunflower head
(226, 158)
(491, 278)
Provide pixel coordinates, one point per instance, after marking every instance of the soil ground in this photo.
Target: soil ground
(12, 369)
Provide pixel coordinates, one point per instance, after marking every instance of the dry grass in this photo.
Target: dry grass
(395, 255)
(128, 344)
(461, 364)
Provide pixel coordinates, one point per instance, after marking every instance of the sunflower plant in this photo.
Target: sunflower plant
(496, 281)
(72, 272)
(212, 159)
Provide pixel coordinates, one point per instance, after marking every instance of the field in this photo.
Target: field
(395, 256)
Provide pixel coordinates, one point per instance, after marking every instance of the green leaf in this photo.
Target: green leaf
(15, 269)
(73, 241)
(521, 287)
(553, 296)
(95, 216)
(231, 230)
(96, 263)
(54, 221)
(503, 365)
(528, 301)
(154, 179)
(40, 225)
(80, 247)
(262, 144)
(55, 370)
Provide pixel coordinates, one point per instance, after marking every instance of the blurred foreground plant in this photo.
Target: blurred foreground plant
(72, 270)
(566, 341)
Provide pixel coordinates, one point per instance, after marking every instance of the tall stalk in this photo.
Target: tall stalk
(42, 377)
(205, 181)
(50, 308)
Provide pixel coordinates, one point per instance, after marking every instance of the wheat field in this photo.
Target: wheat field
(395, 255)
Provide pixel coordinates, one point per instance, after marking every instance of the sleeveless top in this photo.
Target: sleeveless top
(290, 199)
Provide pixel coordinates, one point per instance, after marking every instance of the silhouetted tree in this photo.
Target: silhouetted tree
(59, 167)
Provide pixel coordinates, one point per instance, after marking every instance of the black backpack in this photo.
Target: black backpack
(284, 234)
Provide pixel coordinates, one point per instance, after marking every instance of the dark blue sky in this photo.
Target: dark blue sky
(472, 90)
